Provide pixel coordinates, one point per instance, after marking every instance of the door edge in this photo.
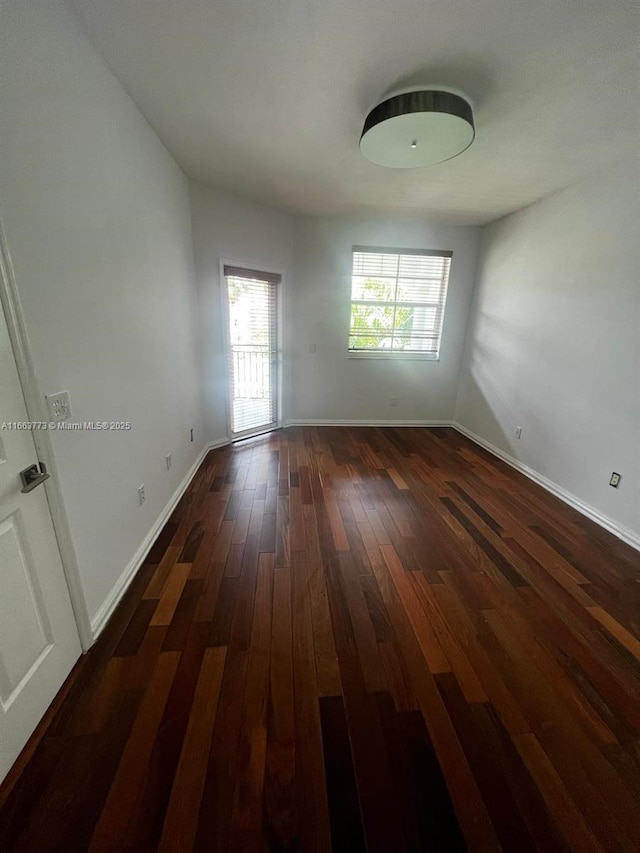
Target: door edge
(34, 401)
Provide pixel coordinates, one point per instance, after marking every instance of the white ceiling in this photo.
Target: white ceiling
(266, 98)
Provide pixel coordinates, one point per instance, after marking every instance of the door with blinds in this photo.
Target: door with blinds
(252, 340)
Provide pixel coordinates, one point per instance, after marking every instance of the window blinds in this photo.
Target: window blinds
(398, 299)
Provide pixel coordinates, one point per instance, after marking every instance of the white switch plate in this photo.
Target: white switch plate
(59, 406)
(518, 432)
(168, 460)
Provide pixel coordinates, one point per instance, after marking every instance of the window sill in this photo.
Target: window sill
(393, 356)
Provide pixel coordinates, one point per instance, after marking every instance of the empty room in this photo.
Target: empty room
(319, 426)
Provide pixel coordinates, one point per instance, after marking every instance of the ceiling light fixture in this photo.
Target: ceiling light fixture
(418, 129)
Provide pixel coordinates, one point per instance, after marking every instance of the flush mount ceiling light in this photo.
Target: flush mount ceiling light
(417, 129)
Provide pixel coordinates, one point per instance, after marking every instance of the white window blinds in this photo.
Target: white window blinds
(398, 299)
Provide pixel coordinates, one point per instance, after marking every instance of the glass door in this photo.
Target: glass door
(253, 350)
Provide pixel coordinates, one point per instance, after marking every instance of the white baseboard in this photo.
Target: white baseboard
(120, 587)
(213, 445)
(624, 533)
(379, 423)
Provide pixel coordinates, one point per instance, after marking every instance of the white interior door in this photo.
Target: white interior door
(39, 641)
(252, 340)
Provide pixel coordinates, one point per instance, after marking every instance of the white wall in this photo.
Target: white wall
(554, 341)
(97, 220)
(327, 385)
(229, 228)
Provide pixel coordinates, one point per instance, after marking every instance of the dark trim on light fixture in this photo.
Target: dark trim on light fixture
(419, 102)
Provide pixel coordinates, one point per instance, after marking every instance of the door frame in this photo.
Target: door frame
(280, 289)
(36, 411)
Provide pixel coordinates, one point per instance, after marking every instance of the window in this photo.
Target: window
(397, 302)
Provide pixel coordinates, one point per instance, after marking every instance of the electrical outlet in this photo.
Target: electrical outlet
(518, 432)
(191, 434)
(168, 461)
(393, 401)
(141, 495)
(615, 480)
(59, 406)
(312, 347)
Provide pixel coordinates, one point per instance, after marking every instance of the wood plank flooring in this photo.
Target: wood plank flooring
(353, 639)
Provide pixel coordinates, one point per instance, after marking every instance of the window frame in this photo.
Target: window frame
(390, 353)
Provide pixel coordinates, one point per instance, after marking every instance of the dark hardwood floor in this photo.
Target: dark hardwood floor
(353, 639)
